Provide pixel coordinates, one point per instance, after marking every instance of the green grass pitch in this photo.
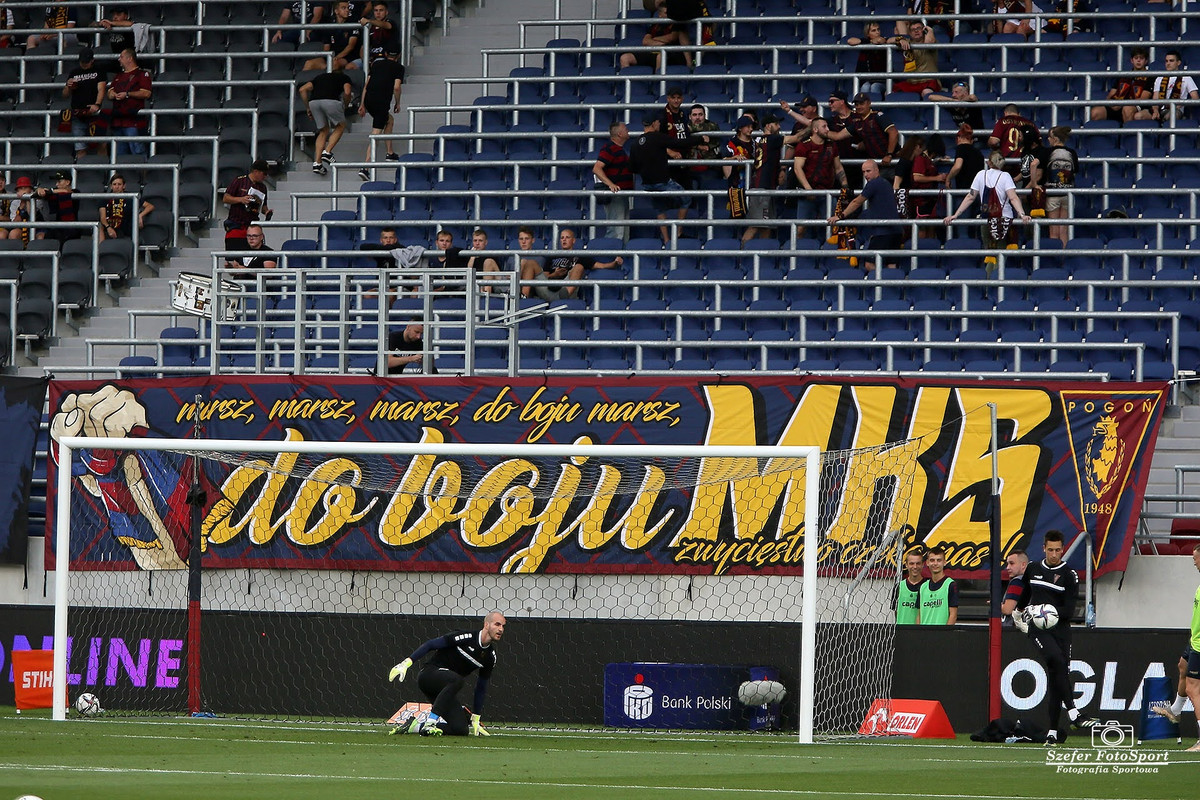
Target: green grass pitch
(214, 759)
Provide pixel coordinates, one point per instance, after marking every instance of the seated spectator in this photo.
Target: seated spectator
(116, 215)
(7, 208)
(447, 257)
(62, 206)
(871, 59)
(1133, 86)
(129, 90)
(123, 32)
(86, 88)
(484, 264)
(342, 42)
(292, 14)
(1020, 16)
(256, 254)
(58, 17)
(940, 8)
(917, 58)
(1173, 86)
(1054, 170)
(551, 284)
(527, 264)
(7, 23)
(388, 241)
(661, 34)
(962, 113)
(915, 170)
(22, 209)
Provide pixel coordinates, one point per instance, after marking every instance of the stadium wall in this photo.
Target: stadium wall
(554, 669)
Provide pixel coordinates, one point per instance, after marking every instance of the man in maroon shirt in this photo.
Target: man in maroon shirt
(817, 167)
(129, 91)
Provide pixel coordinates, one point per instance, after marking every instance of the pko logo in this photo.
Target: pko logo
(639, 699)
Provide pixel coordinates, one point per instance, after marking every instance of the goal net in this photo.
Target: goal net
(281, 580)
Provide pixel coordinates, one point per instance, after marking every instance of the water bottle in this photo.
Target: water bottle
(1090, 615)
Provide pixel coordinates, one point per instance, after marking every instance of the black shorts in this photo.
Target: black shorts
(1187, 652)
(380, 112)
(1193, 668)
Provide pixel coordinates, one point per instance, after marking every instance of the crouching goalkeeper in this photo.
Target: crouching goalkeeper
(455, 656)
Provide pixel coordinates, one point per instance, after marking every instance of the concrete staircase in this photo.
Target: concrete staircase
(489, 25)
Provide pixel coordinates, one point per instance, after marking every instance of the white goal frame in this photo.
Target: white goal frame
(810, 454)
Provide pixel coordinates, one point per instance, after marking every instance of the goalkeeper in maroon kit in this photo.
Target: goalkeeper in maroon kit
(455, 656)
(1053, 581)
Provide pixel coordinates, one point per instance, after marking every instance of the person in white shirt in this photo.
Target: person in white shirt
(1173, 86)
(994, 181)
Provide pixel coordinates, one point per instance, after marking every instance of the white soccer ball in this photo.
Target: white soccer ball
(87, 704)
(29, 797)
(1043, 617)
(761, 693)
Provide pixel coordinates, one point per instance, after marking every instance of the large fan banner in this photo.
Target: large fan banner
(902, 457)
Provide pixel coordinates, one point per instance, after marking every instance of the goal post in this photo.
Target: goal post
(835, 486)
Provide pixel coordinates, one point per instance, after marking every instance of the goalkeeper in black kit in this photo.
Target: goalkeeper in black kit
(455, 656)
(1052, 581)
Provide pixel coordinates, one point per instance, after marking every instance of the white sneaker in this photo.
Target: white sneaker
(318, 168)
(1163, 709)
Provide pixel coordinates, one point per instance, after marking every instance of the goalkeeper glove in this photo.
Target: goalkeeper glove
(1021, 620)
(476, 728)
(400, 670)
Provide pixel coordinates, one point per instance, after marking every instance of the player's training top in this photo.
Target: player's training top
(1196, 621)
(936, 601)
(908, 602)
(1058, 586)
(460, 652)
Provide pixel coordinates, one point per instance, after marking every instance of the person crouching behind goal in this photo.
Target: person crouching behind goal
(1054, 582)
(455, 656)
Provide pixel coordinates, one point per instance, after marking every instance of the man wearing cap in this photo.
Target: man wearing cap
(613, 175)
(86, 85)
(381, 96)
(817, 167)
(60, 202)
(649, 157)
(129, 91)
(246, 196)
(675, 123)
(120, 30)
(876, 136)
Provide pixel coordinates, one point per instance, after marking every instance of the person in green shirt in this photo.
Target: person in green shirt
(939, 594)
(908, 593)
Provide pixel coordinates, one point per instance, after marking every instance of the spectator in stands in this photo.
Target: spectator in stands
(292, 14)
(998, 195)
(968, 161)
(871, 59)
(7, 23)
(487, 265)
(387, 241)
(1054, 169)
(58, 17)
(1171, 87)
(660, 34)
(704, 177)
(129, 90)
(342, 42)
(1133, 86)
(917, 58)
(875, 135)
(649, 157)
(256, 254)
(383, 35)
(22, 209)
(62, 205)
(675, 123)
(380, 98)
(407, 346)
(878, 202)
(1009, 134)
(86, 88)
(804, 118)
(921, 8)
(123, 32)
(612, 172)
(7, 207)
(1021, 16)
(448, 257)
(116, 215)
(554, 283)
(961, 112)
(742, 148)
(527, 264)
(817, 166)
(764, 175)
(246, 196)
(916, 170)
(325, 98)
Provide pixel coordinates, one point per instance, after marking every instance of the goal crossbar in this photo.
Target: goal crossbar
(810, 455)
